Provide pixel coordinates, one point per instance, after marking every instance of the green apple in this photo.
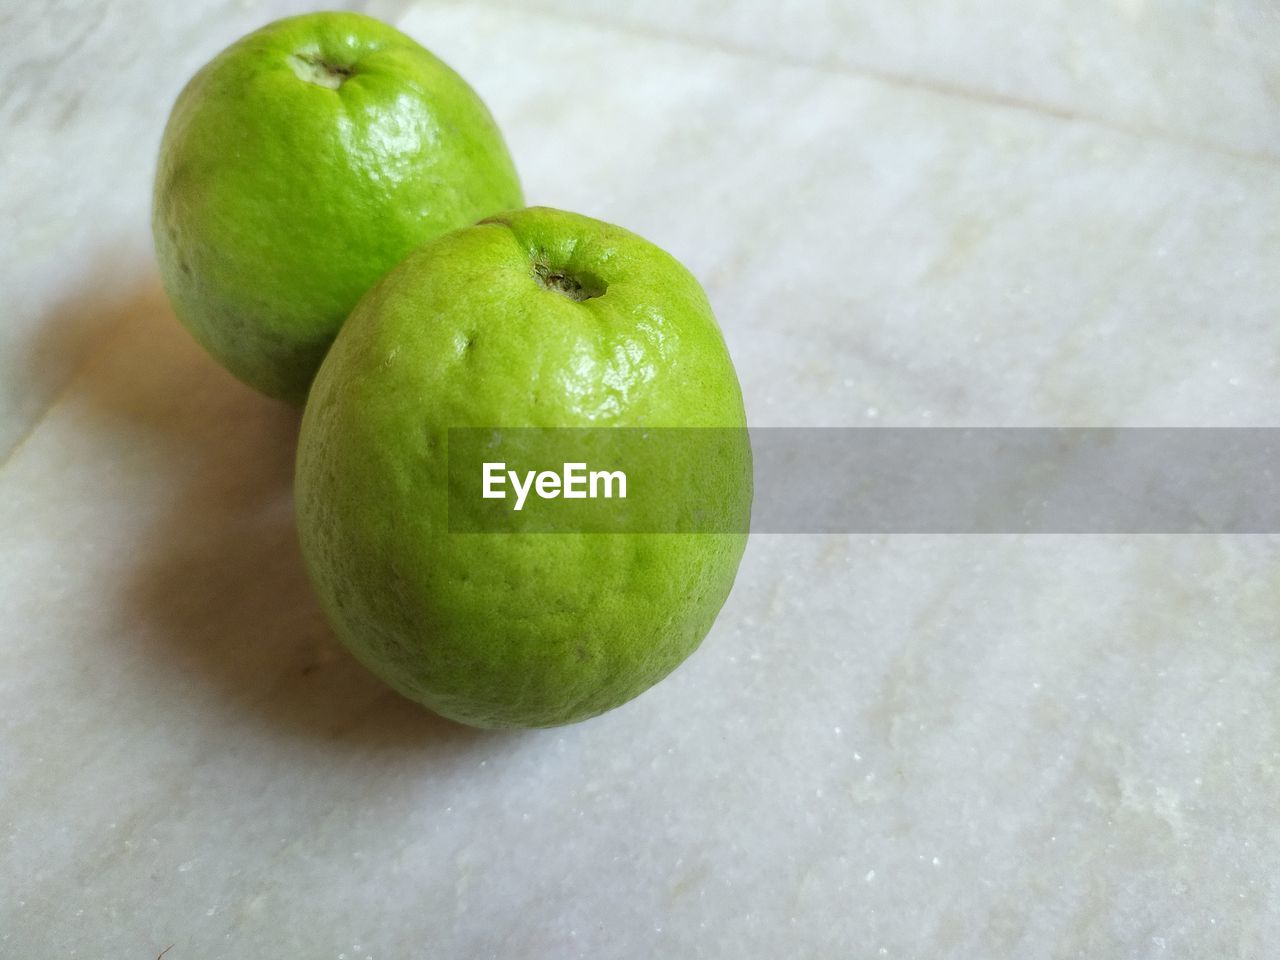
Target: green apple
(297, 167)
(537, 318)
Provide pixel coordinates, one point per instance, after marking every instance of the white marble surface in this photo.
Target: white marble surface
(915, 747)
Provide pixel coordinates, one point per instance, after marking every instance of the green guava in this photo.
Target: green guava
(300, 165)
(537, 318)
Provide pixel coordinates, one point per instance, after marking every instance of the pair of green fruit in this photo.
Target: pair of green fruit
(337, 220)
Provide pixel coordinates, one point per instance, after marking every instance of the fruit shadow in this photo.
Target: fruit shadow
(215, 586)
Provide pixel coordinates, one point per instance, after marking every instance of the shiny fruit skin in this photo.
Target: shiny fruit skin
(297, 167)
(514, 629)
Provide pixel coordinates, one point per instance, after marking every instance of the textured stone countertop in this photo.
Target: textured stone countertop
(1024, 212)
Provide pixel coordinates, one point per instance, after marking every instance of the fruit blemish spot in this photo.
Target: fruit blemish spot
(579, 287)
(313, 68)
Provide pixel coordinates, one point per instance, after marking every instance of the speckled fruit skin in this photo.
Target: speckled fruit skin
(297, 167)
(513, 629)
